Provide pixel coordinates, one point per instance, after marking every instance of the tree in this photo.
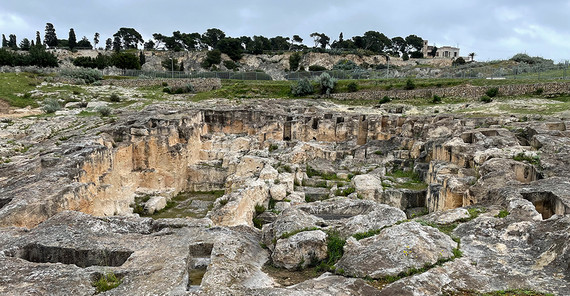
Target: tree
(376, 41)
(128, 38)
(340, 38)
(117, 44)
(231, 47)
(279, 43)
(320, 39)
(4, 41)
(96, 39)
(25, 44)
(213, 57)
(414, 42)
(399, 45)
(149, 45)
(108, 44)
(212, 36)
(72, 41)
(433, 51)
(142, 58)
(84, 43)
(125, 60)
(294, 61)
(12, 43)
(260, 44)
(472, 56)
(38, 39)
(297, 39)
(50, 38)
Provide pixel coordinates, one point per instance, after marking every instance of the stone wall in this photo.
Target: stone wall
(464, 91)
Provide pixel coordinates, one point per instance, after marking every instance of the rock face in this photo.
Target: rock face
(300, 250)
(300, 171)
(394, 250)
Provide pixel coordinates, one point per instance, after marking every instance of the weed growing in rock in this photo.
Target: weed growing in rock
(106, 282)
(273, 147)
(345, 192)
(534, 160)
(486, 99)
(104, 110)
(259, 209)
(436, 99)
(502, 214)
(114, 98)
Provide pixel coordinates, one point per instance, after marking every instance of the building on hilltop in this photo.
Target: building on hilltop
(444, 52)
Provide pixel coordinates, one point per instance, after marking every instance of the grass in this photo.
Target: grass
(535, 160)
(502, 214)
(106, 282)
(413, 182)
(516, 292)
(18, 83)
(345, 192)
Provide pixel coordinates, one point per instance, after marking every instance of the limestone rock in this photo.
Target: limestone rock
(300, 250)
(268, 173)
(278, 191)
(394, 250)
(156, 203)
(367, 186)
(289, 221)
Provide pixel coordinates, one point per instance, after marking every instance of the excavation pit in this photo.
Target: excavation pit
(39, 253)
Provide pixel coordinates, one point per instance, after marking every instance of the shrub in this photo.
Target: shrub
(327, 83)
(346, 65)
(317, 68)
(231, 65)
(51, 105)
(302, 88)
(385, 99)
(189, 88)
(213, 57)
(104, 110)
(125, 60)
(539, 91)
(294, 61)
(436, 99)
(87, 75)
(352, 86)
(410, 84)
(114, 98)
(492, 92)
(459, 61)
(486, 99)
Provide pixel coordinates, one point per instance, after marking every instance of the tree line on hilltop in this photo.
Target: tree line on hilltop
(213, 40)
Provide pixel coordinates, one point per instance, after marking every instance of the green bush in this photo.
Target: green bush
(213, 57)
(125, 60)
(410, 84)
(352, 86)
(87, 75)
(327, 83)
(492, 92)
(294, 61)
(104, 110)
(114, 98)
(231, 65)
(486, 99)
(51, 105)
(189, 88)
(436, 99)
(317, 68)
(302, 88)
(384, 100)
(345, 65)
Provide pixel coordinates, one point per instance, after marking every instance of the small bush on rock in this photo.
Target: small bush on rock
(486, 99)
(88, 75)
(384, 100)
(492, 92)
(352, 87)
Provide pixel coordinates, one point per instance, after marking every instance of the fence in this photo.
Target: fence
(469, 71)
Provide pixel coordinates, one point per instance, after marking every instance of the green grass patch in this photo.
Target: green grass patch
(502, 214)
(290, 234)
(18, 83)
(534, 160)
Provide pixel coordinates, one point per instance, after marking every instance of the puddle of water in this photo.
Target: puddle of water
(195, 277)
(188, 204)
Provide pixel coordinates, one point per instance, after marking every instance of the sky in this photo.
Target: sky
(492, 29)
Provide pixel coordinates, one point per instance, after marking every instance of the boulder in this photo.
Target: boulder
(300, 250)
(396, 249)
(278, 191)
(289, 221)
(367, 186)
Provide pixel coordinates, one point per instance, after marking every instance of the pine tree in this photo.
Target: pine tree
(50, 37)
(108, 44)
(4, 41)
(12, 43)
(142, 58)
(25, 44)
(96, 39)
(38, 39)
(72, 39)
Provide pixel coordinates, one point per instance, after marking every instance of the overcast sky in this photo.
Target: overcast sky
(493, 29)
